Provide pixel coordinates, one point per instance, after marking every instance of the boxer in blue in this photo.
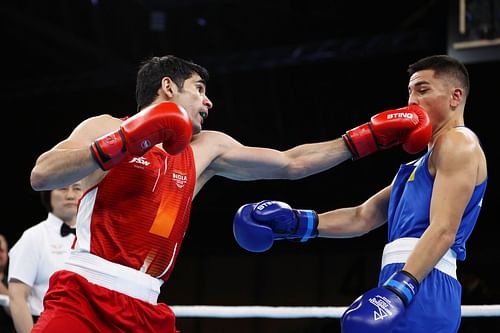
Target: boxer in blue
(431, 208)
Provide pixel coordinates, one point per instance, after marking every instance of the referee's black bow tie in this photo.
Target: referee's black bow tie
(66, 230)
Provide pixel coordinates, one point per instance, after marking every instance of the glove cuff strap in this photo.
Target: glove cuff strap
(361, 141)
(307, 226)
(109, 150)
(404, 285)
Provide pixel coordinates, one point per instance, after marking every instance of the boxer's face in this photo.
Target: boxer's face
(192, 97)
(433, 94)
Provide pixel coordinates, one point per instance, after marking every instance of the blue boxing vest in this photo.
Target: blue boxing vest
(409, 205)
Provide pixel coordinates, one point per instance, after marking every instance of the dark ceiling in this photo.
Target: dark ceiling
(62, 45)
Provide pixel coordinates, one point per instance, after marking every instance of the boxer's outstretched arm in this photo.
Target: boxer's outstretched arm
(408, 126)
(257, 225)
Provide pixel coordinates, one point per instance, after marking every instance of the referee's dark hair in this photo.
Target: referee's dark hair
(45, 198)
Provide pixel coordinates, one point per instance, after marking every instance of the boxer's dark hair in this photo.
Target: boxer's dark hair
(153, 70)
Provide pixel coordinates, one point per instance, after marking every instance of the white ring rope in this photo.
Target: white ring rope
(280, 312)
(290, 312)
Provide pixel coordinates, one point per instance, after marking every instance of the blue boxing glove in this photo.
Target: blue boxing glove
(256, 226)
(379, 309)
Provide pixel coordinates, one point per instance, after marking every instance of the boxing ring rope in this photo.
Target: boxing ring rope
(288, 312)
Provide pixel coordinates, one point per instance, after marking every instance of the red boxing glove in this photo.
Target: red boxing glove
(419, 137)
(409, 126)
(165, 122)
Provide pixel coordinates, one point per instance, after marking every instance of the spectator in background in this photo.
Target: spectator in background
(41, 250)
(6, 324)
(4, 259)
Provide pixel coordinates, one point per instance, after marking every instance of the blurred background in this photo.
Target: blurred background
(283, 73)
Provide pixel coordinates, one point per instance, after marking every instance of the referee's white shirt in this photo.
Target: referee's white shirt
(39, 252)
